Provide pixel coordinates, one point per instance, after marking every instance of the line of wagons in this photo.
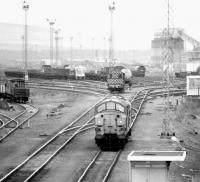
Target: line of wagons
(66, 73)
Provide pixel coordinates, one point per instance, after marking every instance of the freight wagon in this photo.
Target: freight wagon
(14, 90)
(138, 71)
(188, 68)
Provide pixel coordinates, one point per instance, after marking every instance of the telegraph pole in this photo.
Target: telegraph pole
(25, 7)
(111, 45)
(57, 45)
(51, 24)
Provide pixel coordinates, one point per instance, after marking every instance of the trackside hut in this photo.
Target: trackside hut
(152, 166)
(193, 85)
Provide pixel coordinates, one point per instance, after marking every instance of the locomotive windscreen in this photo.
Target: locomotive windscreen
(110, 106)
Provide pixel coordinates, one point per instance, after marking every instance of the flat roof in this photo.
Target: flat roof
(157, 156)
(193, 76)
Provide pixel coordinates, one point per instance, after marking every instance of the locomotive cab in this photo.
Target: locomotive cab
(112, 122)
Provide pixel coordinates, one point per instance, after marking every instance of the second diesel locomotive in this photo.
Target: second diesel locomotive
(113, 123)
(117, 78)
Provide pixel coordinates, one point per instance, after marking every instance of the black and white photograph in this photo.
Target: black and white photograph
(99, 91)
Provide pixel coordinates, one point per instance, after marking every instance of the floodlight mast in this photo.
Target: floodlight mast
(104, 48)
(51, 24)
(25, 7)
(111, 42)
(71, 48)
(57, 45)
(93, 49)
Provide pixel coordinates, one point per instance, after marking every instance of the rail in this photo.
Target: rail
(18, 123)
(100, 154)
(50, 141)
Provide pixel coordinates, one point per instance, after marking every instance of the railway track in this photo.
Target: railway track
(71, 83)
(94, 87)
(103, 162)
(79, 82)
(68, 84)
(32, 165)
(10, 125)
(42, 156)
(163, 93)
(100, 167)
(72, 88)
(91, 83)
(1, 123)
(136, 103)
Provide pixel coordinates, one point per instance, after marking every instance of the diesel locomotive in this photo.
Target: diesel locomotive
(117, 78)
(112, 123)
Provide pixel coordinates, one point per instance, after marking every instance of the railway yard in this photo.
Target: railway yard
(98, 91)
(53, 137)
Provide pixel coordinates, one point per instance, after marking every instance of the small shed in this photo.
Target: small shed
(193, 85)
(152, 166)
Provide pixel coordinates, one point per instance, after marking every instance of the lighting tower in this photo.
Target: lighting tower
(57, 45)
(111, 45)
(51, 24)
(167, 65)
(104, 48)
(23, 52)
(93, 49)
(71, 49)
(25, 7)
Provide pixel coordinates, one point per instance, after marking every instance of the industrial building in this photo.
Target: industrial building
(176, 43)
(181, 56)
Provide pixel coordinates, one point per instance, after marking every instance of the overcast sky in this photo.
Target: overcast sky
(135, 21)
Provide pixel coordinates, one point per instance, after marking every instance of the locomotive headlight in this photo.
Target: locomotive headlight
(120, 123)
(99, 123)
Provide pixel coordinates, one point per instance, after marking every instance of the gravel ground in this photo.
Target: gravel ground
(57, 109)
(145, 136)
(68, 165)
(73, 159)
(187, 127)
(15, 109)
